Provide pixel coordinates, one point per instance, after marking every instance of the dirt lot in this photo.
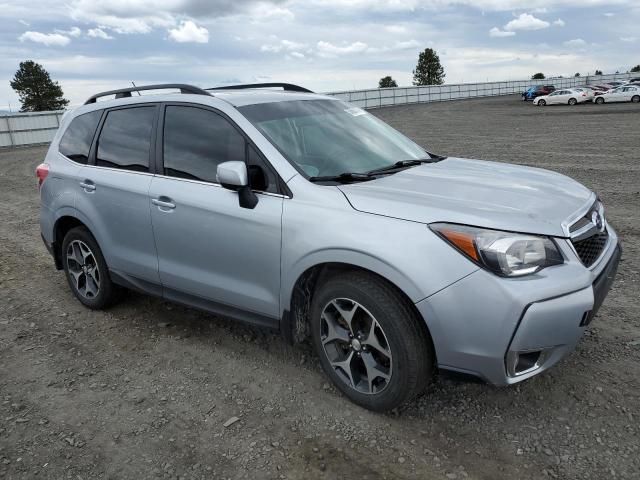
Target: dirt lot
(143, 390)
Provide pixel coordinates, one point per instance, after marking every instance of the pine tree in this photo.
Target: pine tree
(429, 71)
(36, 90)
(387, 82)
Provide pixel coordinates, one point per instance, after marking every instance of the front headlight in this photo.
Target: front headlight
(504, 253)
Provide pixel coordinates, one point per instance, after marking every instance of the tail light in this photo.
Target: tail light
(42, 171)
(584, 94)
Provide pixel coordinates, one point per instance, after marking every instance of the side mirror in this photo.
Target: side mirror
(233, 175)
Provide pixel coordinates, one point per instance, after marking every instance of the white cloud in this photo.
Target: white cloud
(397, 29)
(328, 49)
(526, 22)
(496, 32)
(73, 32)
(628, 39)
(99, 33)
(188, 31)
(282, 45)
(575, 43)
(26, 24)
(142, 16)
(559, 23)
(406, 45)
(266, 12)
(297, 55)
(48, 39)
(608, 14)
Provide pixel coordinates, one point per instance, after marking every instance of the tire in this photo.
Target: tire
(635, 99)
(541, 103)
(572, 101)
(599, 100)
(384, 333)
(89, 282)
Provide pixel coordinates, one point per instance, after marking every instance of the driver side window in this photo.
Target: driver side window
(196, 141)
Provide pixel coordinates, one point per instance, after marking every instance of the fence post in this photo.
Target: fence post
(12, 141)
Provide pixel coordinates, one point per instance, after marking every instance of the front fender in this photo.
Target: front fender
(348, 257)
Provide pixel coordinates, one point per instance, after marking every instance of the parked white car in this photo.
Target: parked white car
(567, 96)
(626, 93)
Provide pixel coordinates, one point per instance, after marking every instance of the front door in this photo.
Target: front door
(208, 246)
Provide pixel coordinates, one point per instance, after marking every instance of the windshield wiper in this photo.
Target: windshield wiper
(346, 177)
(407, 163)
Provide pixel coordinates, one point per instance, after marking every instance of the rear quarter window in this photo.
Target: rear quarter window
(76, 141)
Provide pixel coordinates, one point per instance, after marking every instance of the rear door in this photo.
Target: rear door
(114, 189)
(209, 248)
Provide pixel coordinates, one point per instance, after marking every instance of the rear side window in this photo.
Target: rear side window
(76, 141)
(196, 141)
(125, 139)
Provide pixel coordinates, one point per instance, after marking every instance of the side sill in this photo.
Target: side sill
(193, 301)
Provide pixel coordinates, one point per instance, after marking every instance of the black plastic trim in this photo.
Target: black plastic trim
(126, 92)
(188, 300)
(287, 87)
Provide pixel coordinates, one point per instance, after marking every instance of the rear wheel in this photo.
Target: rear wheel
(86, 269)
(635, 99)
(572, 101)
(371, 343)
(599, 100)
(541, 103)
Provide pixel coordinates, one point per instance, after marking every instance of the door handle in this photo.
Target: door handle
(88, 186)
(163, 204)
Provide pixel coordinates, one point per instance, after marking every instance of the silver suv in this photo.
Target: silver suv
(301, 213)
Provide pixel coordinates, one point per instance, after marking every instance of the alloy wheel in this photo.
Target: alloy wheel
(83, 269)
(356, 346)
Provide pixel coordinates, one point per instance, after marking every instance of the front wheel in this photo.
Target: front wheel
(541, 103)
(635, 99)
(371, 343)
(572, 101)
(599, 100)
(86, 270)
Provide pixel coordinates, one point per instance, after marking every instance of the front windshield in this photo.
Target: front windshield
(328, 137)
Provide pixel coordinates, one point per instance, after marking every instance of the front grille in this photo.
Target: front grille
(590, 249)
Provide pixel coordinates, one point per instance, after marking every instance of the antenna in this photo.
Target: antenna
(134, 85)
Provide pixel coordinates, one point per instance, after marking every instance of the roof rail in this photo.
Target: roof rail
(288, 87)
(126, 92)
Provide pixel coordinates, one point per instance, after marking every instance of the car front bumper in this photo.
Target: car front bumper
(505, 330)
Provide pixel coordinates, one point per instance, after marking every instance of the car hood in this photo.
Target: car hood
(475, 192)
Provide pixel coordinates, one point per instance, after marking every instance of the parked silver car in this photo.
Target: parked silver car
(301, 213)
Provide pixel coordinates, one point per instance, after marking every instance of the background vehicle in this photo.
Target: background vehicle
(600, 89)
(589, 92)
(536, 91)
(562, 97)
(626, 93)
(301, 213)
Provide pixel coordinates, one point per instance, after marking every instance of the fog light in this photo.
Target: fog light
(520, 363)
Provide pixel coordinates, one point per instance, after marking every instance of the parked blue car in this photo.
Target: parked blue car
(537, 91)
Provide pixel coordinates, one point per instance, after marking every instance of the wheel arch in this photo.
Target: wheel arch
(298, 294)
(67, 219)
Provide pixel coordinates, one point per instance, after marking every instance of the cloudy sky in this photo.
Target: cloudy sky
(93, 45)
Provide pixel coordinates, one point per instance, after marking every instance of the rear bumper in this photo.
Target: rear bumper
(508, 330)
(52, 251)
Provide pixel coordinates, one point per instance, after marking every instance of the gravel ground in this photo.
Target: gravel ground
(149, 389)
